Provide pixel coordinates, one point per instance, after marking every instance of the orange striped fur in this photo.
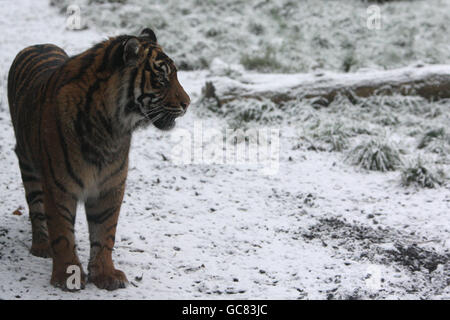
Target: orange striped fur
(73, 118)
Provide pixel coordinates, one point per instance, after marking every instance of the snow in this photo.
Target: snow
(284, 35)
(317, 229)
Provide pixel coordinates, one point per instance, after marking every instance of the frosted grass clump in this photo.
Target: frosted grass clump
(385, 117)
(265, 62)
(427, 109)
(401, 102)
(395, 102)
(240, 113)
(400, 111)
(419, 173)
(435, 141)
(334, 135)
(364, 128)
(376, 154)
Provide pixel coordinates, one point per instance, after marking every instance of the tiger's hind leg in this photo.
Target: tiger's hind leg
(60, 206)
(40, 246)
(102, 214)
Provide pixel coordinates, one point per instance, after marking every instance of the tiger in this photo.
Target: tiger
(73, 120)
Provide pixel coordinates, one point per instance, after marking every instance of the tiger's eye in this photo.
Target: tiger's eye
(162, 79)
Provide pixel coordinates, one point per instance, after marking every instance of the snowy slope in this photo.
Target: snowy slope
(284, 35)
(317, 229)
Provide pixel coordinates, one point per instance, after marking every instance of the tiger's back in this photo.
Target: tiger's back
(29, 73)
(27, 84)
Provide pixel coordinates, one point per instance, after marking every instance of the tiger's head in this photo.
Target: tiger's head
(154, 93)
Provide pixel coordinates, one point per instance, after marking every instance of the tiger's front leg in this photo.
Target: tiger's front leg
(102, 215)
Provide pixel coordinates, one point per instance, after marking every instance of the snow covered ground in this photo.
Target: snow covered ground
(284, 35)
(317, 229)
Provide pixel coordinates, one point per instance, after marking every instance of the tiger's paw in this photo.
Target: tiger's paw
(111, 280)
(69, 280)
(41, 250)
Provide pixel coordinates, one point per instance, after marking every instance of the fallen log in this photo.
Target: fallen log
(429, 81)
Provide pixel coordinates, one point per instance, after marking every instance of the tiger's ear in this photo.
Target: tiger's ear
(131, 50)
(148, 33)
